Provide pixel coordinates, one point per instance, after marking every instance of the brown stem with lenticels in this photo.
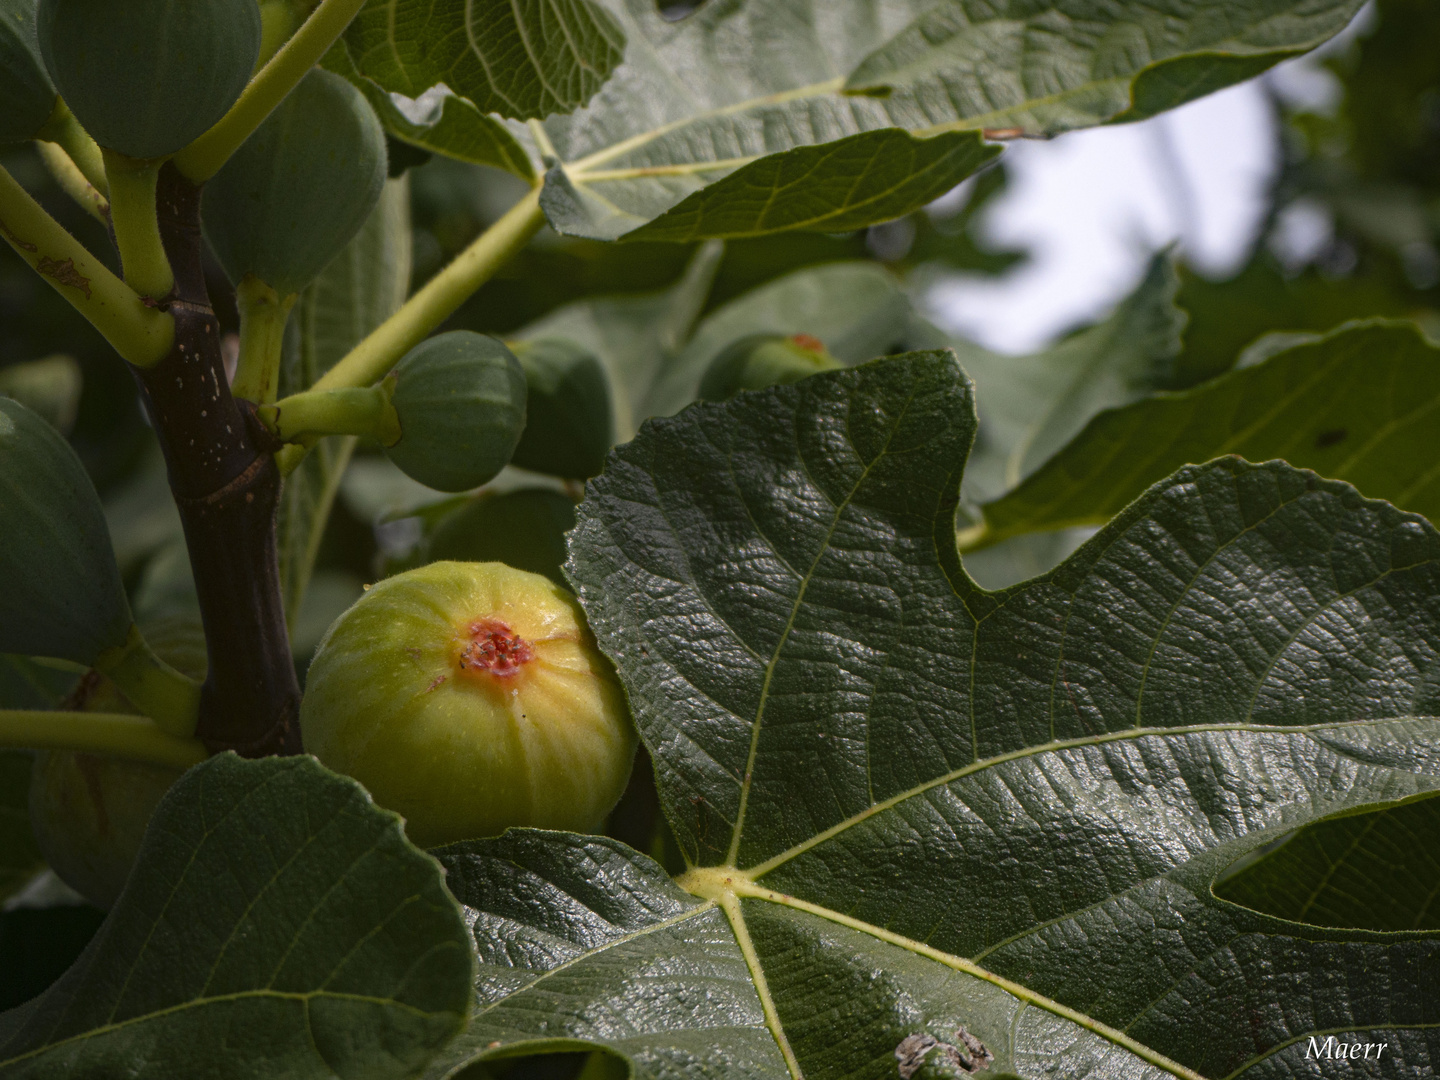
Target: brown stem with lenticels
(223, 475)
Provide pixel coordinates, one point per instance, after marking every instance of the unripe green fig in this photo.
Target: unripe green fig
(460, 401)
(299, 189)
(27, 97)
(88, 813)
(760, 360)
(146, 77)
(569, 420)
(525, 529)
(470, 698)
(60, 589)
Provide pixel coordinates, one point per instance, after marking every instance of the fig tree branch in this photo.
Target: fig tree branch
(137, 230)
(120, 735)
(204, 157)
(64, 131)
(141, 334)
(73, 182)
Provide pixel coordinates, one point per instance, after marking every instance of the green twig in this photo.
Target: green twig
(351, 410)
(142, 335)
(263, 314)
(120, 735)
(65, 131)
(373, 358)
(204, 157)
(137, 228)
(167, 697)
(73, 182)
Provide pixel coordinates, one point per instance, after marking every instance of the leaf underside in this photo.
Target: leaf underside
(913, 805)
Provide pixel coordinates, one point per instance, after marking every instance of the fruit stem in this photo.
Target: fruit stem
(263, 314)
(74, 182)
(65, 131)
(204, 157)
(167, 697)
(141, 334)
(120, 735)
(373, 358)
(137, 229)
(350, 410)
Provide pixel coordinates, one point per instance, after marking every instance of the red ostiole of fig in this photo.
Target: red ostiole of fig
(494, 649)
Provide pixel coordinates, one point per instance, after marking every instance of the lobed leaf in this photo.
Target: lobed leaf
(911, 804)
(275, 912)
(1357, 404)
(701, 102)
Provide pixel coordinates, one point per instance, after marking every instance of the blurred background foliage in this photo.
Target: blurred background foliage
(1368, 172)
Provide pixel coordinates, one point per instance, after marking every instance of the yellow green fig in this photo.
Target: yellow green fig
(760, 360)
(470, 698)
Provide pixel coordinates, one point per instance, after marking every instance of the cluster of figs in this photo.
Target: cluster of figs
(466, 695)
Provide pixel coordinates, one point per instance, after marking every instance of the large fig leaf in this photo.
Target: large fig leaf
(521, 60)
(277, 924)
(674, 144)
(364, 285)
(1359, 404)
(911, 804)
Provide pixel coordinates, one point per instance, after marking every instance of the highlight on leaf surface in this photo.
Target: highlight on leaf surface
(469, 698)
(145, 77)
(460, 399)
(296, 192)
(920, 805)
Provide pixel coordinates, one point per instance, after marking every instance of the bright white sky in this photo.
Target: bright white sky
(1093, 205)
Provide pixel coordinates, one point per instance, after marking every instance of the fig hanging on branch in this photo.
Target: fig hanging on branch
(146, 77)
(470, 697)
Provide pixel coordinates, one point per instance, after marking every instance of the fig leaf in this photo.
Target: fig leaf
(276, 910)
(920, 806)
(27, 96)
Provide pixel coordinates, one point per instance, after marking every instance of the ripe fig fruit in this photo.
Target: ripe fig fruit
(569, 420)
(760, 360)
(146, 77)
(524, 529)
(60, 589)
(296, 192)
(469, 698)
(460, 400)
(27, 97)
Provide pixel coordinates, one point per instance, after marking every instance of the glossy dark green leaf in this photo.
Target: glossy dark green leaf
(1376, 871)
(274, 912)
(442, 123)
(362, 287)
(523, 61)
(915, 805)
(1357, 405)
(1051, 67)
(715, 93)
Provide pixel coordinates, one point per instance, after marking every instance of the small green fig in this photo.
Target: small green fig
(299, 188)
(89, 813)
(525, 529)
(460, 401)
(146, 77)
(469, 698)
(569, 420)
(761, 360)
(27, 97)
(60, 589)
